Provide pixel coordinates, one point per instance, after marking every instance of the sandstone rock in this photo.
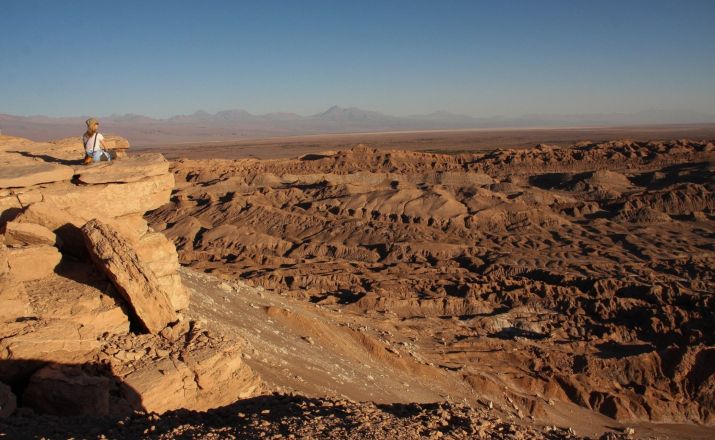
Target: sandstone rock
(106, 200)
(9, 207)
(27, 234)
(221, 376)
(48, 341)
(87, 301)
(451, 178)
(14, 302)
(197, 376)
(175, 290)
(156, 251)
(159, 253)
(135, 281)
(174, 332)
(32, 262)
(8, 402)
(133, 225)
(66, 225)
(50, 216)
(28, 173)
(70, 315)
(65, 390)
(116, 143)
(127, 170)
(4, 267)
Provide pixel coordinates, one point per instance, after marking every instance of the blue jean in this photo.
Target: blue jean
(97, 156)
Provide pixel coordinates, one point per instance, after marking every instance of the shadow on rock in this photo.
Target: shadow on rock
(54, 389)
(48, 158)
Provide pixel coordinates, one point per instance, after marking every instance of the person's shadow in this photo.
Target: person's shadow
(48, 158)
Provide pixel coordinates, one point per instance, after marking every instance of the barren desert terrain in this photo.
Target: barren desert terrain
(542, 278)
(543, 291)
(448, 141)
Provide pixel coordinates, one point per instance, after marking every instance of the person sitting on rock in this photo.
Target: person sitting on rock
(95, 150)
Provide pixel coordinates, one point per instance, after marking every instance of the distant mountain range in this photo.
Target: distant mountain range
(238, 124)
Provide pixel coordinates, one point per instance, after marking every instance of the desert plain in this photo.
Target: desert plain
(541, 283)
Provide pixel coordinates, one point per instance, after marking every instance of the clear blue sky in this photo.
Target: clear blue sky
(482, 58)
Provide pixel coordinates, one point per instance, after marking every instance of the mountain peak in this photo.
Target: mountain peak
(337, 113)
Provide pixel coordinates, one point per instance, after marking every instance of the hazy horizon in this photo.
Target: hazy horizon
(481, 59)
(435, 112)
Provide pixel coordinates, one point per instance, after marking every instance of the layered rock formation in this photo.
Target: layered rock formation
(580, 274)
(135, 281)
(82, 276)
(545, 281)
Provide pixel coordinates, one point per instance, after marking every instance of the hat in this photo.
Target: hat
(91, 122)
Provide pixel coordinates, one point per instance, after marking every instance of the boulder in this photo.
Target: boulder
(28, 234)
(114, 254)
(200, 372)
(130, 169)
(8, 402)
(32, 262)
(32, 172)
(67, 390)
(117, 143)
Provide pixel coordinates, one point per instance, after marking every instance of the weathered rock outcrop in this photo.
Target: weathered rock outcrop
(21, 175)
(14, 299)
(29, 263)
(80, 273)
(28, 234)
(41, 203)
(185, 366)
(137, 283)
(127, 170)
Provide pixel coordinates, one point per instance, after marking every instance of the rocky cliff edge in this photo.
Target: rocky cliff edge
(90, 296)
